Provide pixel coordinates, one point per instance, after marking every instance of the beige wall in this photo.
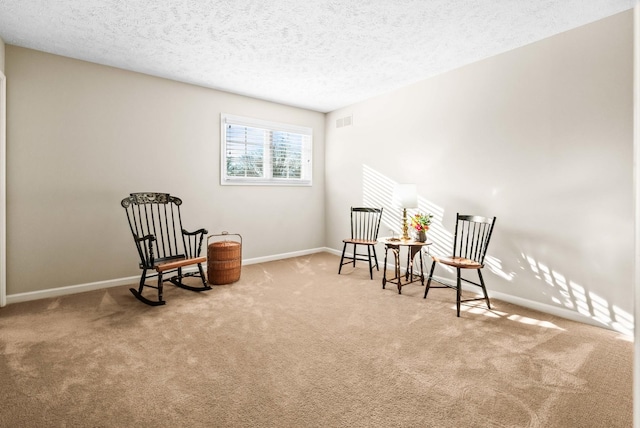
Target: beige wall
(82, 136)
(541, 137)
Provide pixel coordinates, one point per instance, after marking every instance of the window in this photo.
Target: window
(260, 152)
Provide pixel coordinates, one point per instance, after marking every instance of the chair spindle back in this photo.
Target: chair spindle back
(156, 215)
(472, 237)
(365, 223)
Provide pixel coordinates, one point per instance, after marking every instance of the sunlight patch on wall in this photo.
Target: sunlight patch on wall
(378, 192)
(623, 320)
(600, 309)
(495, 265)
(572, 295)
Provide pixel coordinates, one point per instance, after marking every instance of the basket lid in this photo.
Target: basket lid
(223, 244)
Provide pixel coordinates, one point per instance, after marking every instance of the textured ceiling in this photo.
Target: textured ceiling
(316, 54)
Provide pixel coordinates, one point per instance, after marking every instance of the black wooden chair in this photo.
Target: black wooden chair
(365, 223)
(470, 244)
(163, 245)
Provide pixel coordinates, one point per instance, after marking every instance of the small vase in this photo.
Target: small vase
(421, 235)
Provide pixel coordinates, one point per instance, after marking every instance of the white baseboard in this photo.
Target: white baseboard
(334, 252)
(71, 289)
(284, 256)
(133, 280)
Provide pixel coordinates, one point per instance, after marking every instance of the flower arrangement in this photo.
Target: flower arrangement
(421, 221)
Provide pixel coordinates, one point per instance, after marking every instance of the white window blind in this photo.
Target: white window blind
(258, 152)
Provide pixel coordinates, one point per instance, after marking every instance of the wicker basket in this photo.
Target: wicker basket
(224, 260)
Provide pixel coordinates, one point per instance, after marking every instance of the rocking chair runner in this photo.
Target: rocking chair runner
(162, 243)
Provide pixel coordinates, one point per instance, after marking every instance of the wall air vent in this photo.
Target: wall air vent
(344, 121)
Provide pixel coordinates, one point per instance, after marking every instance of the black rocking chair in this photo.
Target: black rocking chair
(162, 244)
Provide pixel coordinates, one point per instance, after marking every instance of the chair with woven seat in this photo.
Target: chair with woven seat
(365, 223)
(470, 242)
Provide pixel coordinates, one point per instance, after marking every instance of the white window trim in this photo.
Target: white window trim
(307, 161)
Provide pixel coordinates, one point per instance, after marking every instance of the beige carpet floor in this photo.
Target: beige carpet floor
(294, 344)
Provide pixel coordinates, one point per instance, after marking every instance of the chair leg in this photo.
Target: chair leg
(160, 287)
(355, 254)
(344, 249)
(138, 293)
(142, 280)
(375, 256)
(409, 266)
(458, 291)
(384, 268)
(370, 265)
(426, 289)
(179, 277)
(177, 280)
(204, 283)
(484, 289)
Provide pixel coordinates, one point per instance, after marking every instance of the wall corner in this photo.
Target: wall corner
(2, 56)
